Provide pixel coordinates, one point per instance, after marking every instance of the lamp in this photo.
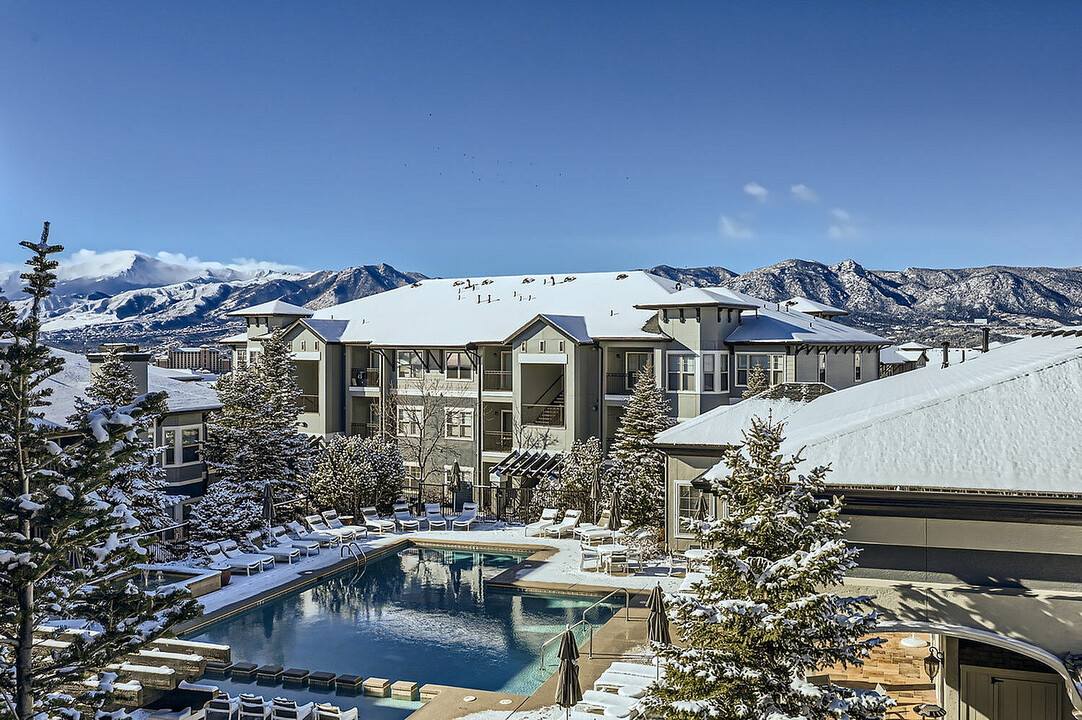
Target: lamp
(913, 641)
(932, 663)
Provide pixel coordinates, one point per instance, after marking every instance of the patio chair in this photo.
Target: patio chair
(616, 560)
(565, 526)
(589, 556)
(467, 517)
(222, 708)
(641, 669)
(334, 522)
(300, 532)
(229, 547)
(289, 554)
(609, 704)
(548, 517)
(280, 538)
(283, 709)
(601, 524)
(214, 551)
(405, 521)
(373, 521)
(434, 516)
(326, 711)
(319, 525)
(254, 707)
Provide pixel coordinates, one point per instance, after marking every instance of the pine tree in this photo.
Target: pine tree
(758, 381)
(61, 537)
(355, 472)
(571, 489)
(639, 468)
(253, 440)
(762, 621)
(139, 484)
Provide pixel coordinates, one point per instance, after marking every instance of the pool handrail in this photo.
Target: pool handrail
(585, 622)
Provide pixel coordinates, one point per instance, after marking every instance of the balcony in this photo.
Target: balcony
(551, 415)
(498, 442)
(364, 429)
(365, 378)
(620, 383)
(309, 403)
(497, 381)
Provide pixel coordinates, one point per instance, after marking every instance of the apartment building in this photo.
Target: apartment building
(501, 374)
(203, 358)
(963, 489)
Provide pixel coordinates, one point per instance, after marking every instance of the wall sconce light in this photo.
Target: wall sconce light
(933, 663)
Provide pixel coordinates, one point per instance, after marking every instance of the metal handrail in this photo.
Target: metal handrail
(627, 612)
(541, 656)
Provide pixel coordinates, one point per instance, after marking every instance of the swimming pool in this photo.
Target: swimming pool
(423, 614)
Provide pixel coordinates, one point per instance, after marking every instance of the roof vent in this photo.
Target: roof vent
(416, 284)
(679, 287)
(622, 276)
(527, 281)
(569, 278)
(487, 281)
(456, 283)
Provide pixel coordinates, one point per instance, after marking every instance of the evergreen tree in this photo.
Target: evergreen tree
(762, 620)
(639, 468)
(275, 368)
(571, 489)
(355, 472)
(758, 381)
(139, 484)
(61, 535)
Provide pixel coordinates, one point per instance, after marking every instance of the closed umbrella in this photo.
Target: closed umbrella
(455, 486)
(614, 512)
(568, 691)
(702, 510)
(657, 625)
(268, 502)
(595, 491)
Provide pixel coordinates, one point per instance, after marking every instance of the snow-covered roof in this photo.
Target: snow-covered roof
(588, 307)
(726, 425)
(895, 355)
(913, 345)
(274, 307)
(329, 330)
(1004, 421)
(807, 305)
(71, 382)
(241, 337)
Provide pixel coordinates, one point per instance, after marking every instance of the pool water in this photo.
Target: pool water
(423, 614)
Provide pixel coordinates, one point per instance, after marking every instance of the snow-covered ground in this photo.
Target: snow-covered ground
(561, 568)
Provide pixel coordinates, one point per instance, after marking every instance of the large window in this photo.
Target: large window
(181, 445)
(774, 364)
(822, 367)
(410, 365)
(459, 366)
(410, 420)
(681, 372)
(459, 424)
(687, 501)
(715, 372)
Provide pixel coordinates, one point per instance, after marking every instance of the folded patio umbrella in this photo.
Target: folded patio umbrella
(568, 691)
(657, 625)
(614, 512)
(595, 492)
(702, 510)
(268, 503)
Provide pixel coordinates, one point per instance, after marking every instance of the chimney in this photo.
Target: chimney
(946, 354)
(984, 339)
(130, 355)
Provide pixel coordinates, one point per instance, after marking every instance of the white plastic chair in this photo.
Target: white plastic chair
(466, 518)
(325, 711)
(302, 533)
(548, 518)
(434, 516)
(373, 521)
(405, 521)
(334, 522)
(229, 547)
(278, 553)
(567, 525)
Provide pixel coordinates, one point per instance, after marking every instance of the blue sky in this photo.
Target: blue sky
(480, 138)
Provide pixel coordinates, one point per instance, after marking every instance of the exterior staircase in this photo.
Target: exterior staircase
(553, 414)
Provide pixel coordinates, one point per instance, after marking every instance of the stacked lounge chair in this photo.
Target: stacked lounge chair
(403, 518)
(299, 532)
(289, 554)
(548, 518)
(373, 521)
(279, 537)
(334, 522)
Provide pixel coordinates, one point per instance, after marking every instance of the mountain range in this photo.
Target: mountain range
(154, 302)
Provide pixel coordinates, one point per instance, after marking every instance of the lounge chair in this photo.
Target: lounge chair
(283, 709)
(299, 532)
(325, 711)
(214, 551)
(289, 554)
(548, 518)
(280, 538)
(373, 521)
(254, 707)
(565, 526)
(589, 556)
(223, 708)
(404, 519)
(434, 516)
(318, 525)
(585, 527)
(634, 686)
(641, 669)
(229, 547)
(610, 704)
(334, 522)
(467, 517)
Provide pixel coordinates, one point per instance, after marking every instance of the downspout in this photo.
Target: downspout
(478, 416)
(601, 396)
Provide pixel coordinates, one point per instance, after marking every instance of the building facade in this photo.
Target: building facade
(203, 358)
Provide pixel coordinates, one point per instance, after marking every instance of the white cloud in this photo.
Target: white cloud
(733, 229)
(804, 193)
(757, 191)
(243, 265)
(843, 226)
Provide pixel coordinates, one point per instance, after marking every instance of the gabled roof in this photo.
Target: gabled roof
(700, 296)
(772, 326)
(572, 326)
(895, 355)
(725, 426)
(1003, 421)
(807, 305)
(329, 330)
(274, 307)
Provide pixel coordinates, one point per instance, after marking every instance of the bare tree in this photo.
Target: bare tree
(417, 412)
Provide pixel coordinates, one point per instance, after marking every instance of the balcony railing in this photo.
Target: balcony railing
(364, 429)
(551, 415)
(497, 380)
(365, 378)
(620, 383)
(498, 441)
(309, 403)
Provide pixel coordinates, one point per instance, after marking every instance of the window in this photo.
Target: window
(410, 419)
(634, 364)
(410, 366)
(681, 372)
(465, 473)
(715, 372)
(459, 424)
(774, 365)
(561, 345)
(822, 367)
(522, 347)
(687, 501)
(459, 366)
(315, 345)
(304, 345)
(856, 366)
(181, 445)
